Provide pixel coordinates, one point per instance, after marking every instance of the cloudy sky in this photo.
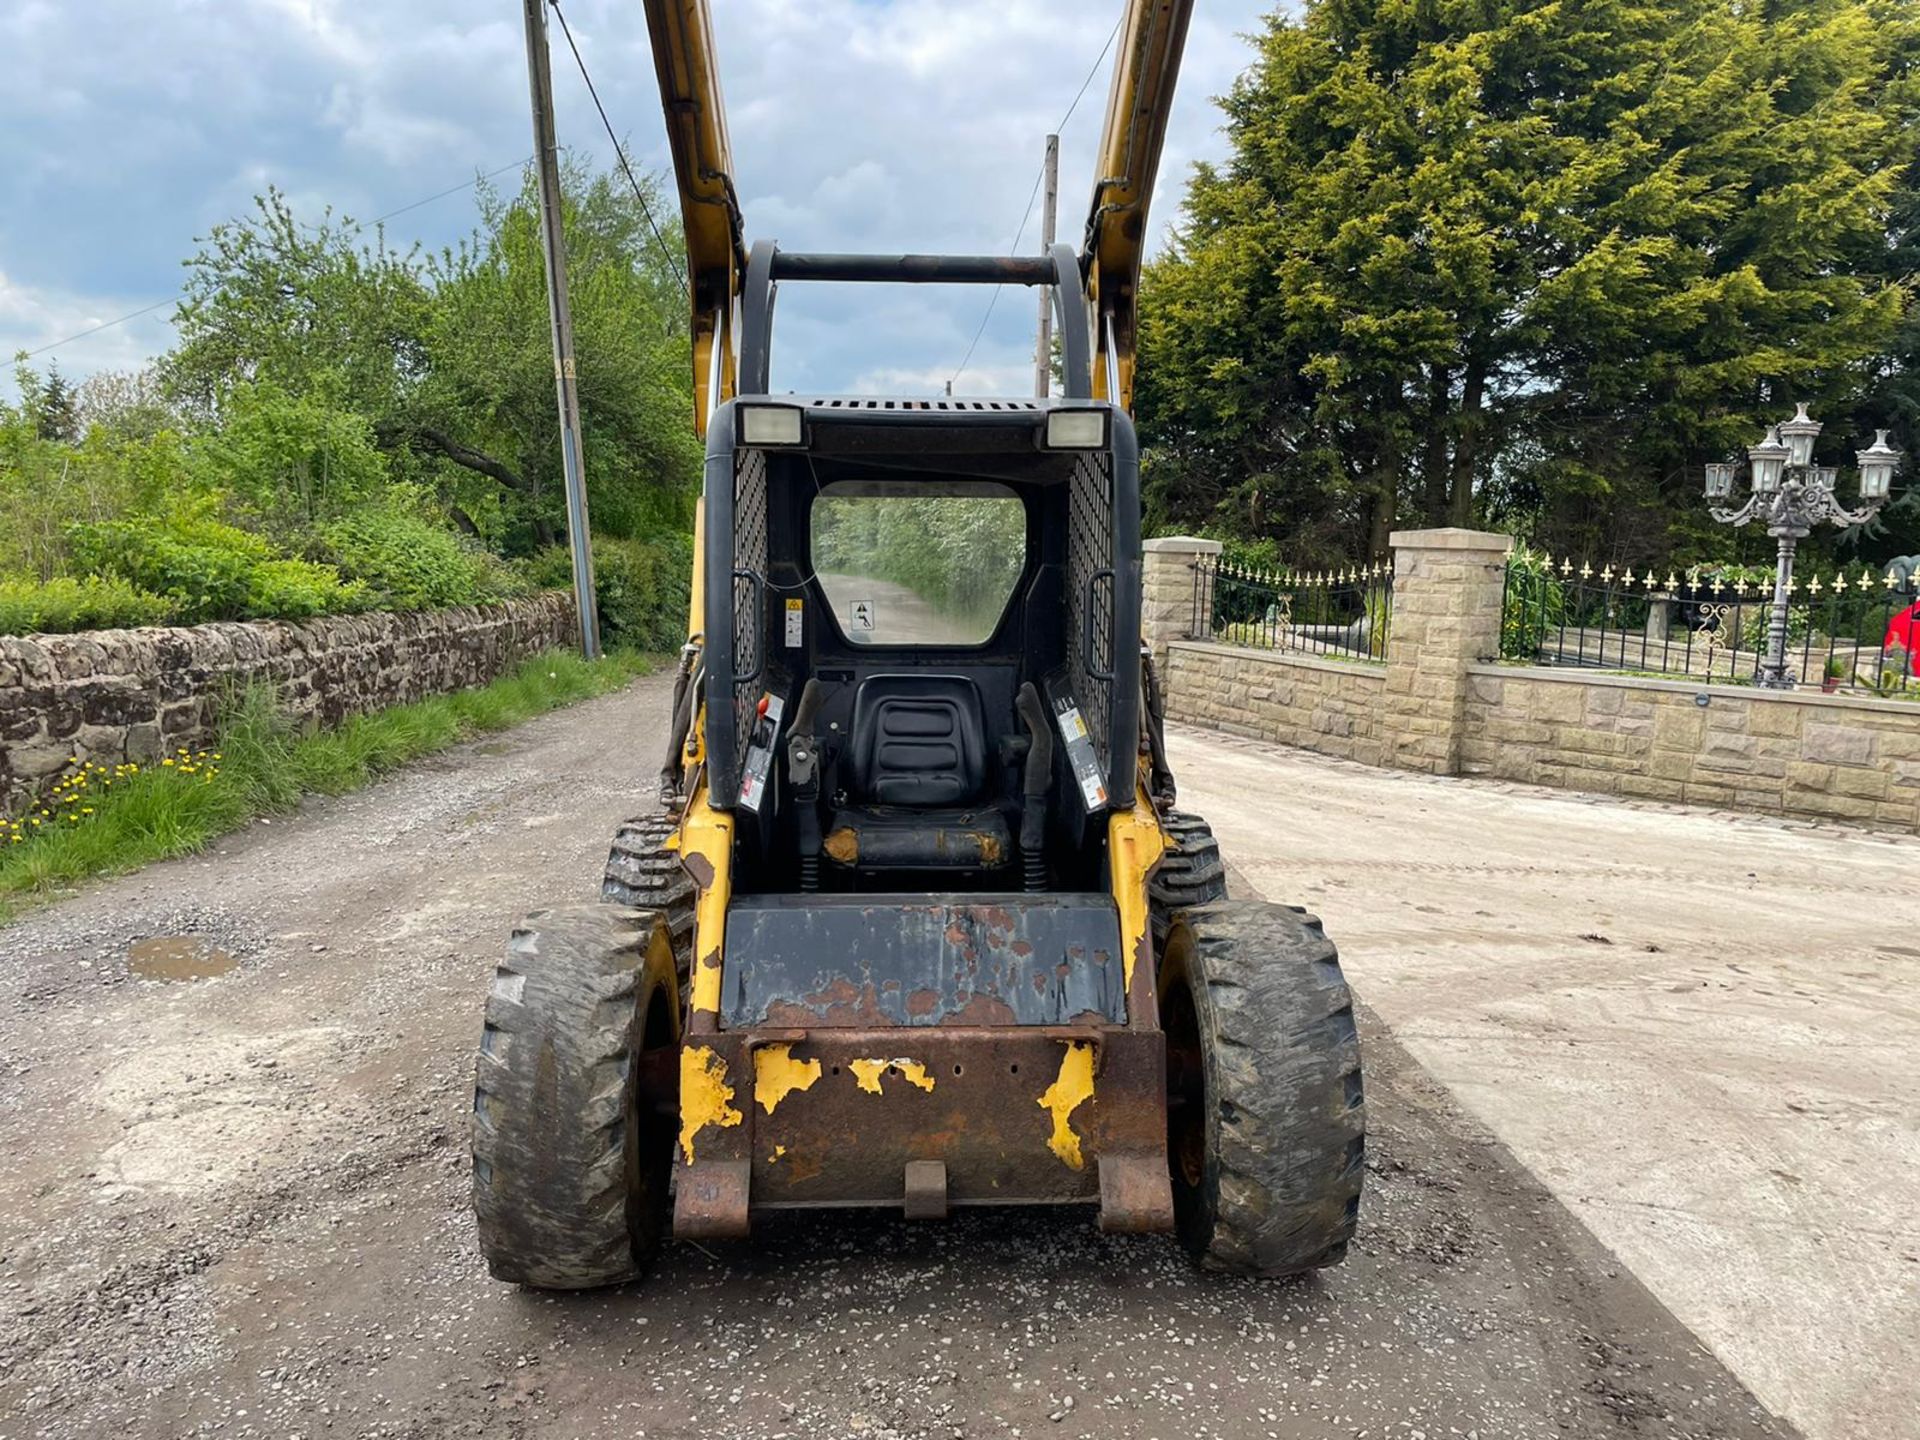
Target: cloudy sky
(127, 127)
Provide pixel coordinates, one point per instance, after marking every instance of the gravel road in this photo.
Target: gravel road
(237, 1205)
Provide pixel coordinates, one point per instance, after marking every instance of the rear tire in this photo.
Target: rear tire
(571, 1157)
(1266, 1112)
(643, 872)
(1190, 873)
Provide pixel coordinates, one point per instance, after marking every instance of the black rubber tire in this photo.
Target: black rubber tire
(570, 1162)
(642, 872)
(1267, 1113)
(1191, 873)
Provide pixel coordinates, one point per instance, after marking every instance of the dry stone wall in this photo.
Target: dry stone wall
(109, 696)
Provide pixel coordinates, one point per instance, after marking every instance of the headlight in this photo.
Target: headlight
(1076, 429)
(770, 425)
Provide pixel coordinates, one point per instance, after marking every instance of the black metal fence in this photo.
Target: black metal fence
(1344, 612)
(1847, 630)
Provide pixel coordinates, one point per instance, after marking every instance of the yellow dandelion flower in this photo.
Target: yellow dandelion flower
(86, 810)
(167, 761)
(36, 819)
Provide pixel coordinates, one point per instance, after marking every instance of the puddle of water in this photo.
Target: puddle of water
(177, 957)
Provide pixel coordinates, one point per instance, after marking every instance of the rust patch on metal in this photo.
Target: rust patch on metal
(847, 1145)
(843, 845)
(700, 868)
(984, 1009)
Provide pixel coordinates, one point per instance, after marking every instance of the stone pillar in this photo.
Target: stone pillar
(1167, 591)
(1659, 619)
(1447, 587)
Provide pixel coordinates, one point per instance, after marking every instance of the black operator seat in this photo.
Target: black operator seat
(915, 773)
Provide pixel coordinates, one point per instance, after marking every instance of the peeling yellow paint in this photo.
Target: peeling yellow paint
(1073, 1084)
(706, 842)
(867, 1073)
(778, 1151)
(705, 1096)
(776, 1075)
(1135, 844)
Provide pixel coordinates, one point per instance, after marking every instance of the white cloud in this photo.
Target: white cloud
(32, 317)
(129, 126)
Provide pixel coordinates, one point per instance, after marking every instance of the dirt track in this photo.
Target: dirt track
(238, 1205)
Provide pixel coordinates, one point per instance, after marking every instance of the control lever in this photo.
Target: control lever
(803, 778)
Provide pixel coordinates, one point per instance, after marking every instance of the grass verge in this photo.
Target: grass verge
(117, 820)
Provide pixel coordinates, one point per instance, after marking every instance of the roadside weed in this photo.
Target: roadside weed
(107, 819)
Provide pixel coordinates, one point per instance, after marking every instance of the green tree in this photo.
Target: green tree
(446, 359)
(58, 419)
(488, 380)
(1533, 260)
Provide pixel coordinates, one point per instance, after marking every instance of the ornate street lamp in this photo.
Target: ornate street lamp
(1790, 496)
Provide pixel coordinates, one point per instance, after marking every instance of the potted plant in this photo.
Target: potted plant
(1836, 672)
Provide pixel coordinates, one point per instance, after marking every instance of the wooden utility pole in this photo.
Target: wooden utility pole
(546, 163)
(1043, 356)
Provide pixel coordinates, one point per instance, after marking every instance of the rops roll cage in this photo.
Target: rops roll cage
(768, 265)
(727, 570)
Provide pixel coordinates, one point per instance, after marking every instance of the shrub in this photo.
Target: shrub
(1757, 620)
(206, 570)
(294, 589)
(62, 605)
(1534, 605)
(642, 587)
(294, 459)
(406, 562)
(203, 566)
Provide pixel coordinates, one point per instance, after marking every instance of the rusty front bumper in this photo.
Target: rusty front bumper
(923, 1117)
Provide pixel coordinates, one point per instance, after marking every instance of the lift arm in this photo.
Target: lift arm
(683, 58)
(1146, 64)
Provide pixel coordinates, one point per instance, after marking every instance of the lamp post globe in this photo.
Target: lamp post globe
(1877, 464)
(1791, 495)
(1799, 433)
(1768, 460)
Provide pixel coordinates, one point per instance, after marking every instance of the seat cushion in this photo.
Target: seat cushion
(917, 740)
(880, 837)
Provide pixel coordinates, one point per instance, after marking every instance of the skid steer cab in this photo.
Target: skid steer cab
(917, 926)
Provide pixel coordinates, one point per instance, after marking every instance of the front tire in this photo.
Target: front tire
(571, 1149)
(1266, 1109)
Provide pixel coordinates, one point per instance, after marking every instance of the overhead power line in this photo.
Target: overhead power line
(619, 151)
(1027, 214)
(377, 220)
